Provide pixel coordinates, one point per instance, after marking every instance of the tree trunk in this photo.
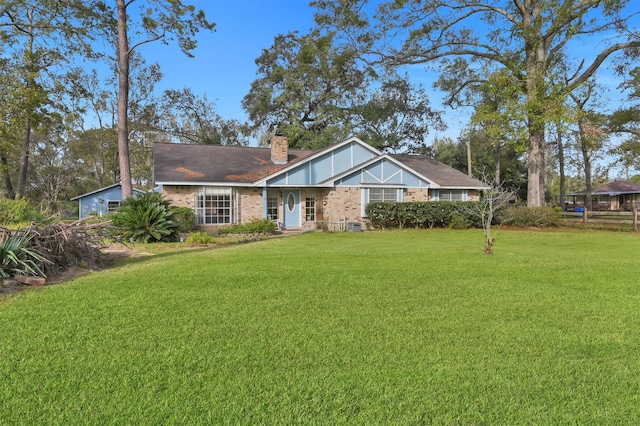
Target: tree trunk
(469, 165)
(123, 101)
(563, 183)
(7, 178)
(31, 69)
(497, 164)
(24, 161)
(535, 184)
(536, 59)
(588, 202)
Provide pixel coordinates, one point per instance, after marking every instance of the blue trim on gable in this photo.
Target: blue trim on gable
(383, 172)
(322, 168)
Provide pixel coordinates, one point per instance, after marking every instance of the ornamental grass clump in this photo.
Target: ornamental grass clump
(16, 258)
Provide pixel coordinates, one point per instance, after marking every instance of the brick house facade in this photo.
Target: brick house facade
(299, 188)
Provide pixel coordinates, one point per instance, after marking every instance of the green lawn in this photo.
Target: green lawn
(396, 327)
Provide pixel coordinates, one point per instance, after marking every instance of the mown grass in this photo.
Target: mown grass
(402, 327)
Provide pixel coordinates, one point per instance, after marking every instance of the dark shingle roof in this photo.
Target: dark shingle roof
(439, 173)
(193, 164)
(215, 163)
(617, 187)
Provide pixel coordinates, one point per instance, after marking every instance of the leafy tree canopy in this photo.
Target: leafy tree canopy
(469, 40)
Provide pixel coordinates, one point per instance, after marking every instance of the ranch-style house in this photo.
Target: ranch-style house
(299, 188)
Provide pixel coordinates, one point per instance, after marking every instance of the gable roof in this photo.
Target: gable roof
(319, 153)
(184, 164)
(378, 160)
(106, 188)
(445, 176)
(205, 164)
(617, 187)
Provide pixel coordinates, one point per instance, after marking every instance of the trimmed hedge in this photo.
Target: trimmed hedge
(419, 215)
(456, 215)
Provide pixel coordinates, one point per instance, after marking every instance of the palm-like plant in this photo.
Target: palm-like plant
(146, 218)
(16, 258)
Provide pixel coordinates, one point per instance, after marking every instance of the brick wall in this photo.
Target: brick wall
(416, 194)
(332, 204)
(180, 196)
(473, 195)
(249, 200)
(249, 204)
(279, 149)
(341, 203)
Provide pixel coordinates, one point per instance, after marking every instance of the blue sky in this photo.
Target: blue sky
(224, 63)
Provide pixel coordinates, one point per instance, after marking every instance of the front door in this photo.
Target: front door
(291, 208)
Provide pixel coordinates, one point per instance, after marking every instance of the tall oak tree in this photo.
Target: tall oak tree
(467, 37)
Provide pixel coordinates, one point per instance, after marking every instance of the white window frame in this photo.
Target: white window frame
(272, 208)
(215, 205)
(310, 209)
(452, 195)
(383, 195)
(388, 196)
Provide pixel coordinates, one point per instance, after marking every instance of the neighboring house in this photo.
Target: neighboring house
(299, 188)
(613, 196)
(101, 201)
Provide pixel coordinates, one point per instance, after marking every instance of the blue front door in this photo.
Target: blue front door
(291, 207)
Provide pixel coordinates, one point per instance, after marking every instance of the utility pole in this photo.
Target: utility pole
(469, 158)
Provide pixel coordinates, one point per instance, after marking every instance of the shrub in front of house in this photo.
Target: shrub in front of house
(185, 218)
(255, 226)
(458, 221)
(420, 215)
(146, 218)
(383, 215)
(539, 217)
(200, 237)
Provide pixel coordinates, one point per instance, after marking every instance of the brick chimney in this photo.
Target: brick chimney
(279, 149)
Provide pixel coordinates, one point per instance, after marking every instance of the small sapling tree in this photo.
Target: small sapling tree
(492, 197)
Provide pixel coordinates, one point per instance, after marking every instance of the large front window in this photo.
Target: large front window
(214, 206)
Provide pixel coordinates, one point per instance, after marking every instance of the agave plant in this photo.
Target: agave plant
(16, 258)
